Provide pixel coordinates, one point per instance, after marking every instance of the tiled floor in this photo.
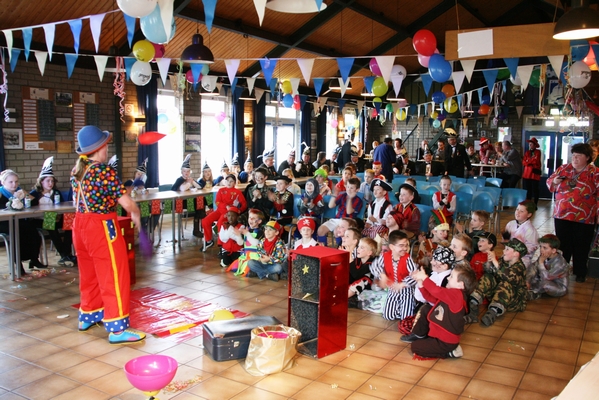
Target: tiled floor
(528, 355)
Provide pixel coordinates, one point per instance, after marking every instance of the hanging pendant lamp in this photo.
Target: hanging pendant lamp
(580, 22)
(196, 52)
(295, 6)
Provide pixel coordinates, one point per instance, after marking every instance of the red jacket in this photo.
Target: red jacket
(530, 163)
(446, 317)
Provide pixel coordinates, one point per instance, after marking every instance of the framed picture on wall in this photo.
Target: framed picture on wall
(130, 136)
(63, 99)
(64, 124)
(13, 138)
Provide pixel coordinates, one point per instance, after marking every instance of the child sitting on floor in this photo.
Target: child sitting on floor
(445, 200)
(503, 284)
(549, 273)
(349, 242)
(478, 220)
(442, 262)
(436, 332)
(252, 234)
(360, 277)
(486, 243)
(231, 238)
(461, 245)
(522, 229)
(439, 232)
(391, 271)
(273, 256)
(305, 226)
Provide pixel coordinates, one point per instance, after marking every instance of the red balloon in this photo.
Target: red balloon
(483, 109)
(150, 138)
(424, 42)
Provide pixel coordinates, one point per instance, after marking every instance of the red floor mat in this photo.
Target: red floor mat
(166, 314)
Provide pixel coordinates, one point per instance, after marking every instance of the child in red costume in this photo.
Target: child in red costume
(486, 243)
(445, 200)
(226, 198)
(230, 237)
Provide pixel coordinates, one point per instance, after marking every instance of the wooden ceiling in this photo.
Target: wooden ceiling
(346, 28)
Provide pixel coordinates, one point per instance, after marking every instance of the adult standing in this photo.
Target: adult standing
(531, 175)
(576, 188)
(440, 152)
(512, 162)
(101, 250)
(386, 155)
(456, 158)
(344, 155)
(421, 151)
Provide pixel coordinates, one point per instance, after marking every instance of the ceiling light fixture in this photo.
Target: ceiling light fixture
(366, 93)
(398, 98)
(334, 84)
(196, 52)
(294, 6)
(580, 22)
(245, 95)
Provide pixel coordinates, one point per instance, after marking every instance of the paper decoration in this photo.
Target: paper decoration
(166, 13)
(200, 203)
(156, 207)
(475, 43)
(95, 24)
(294, 85)
(75, 25)
(556, 62)
(268, 66)
(27, 34)
(524, 73)
(49, 31)
(178, 206)
(468, 66)
(14, 57)
(130, 22)
(71, 59)
(250, 82)
(101, 65)
(385, 65)
(8, 36)
(427, 82)
(368, 81)
(512, 65)
(258, 93)
(168, 206)
(209, 9)
(260, 8)
(49, 223)
(67, 221)
(458, 80)
(144, 208)
(190, 205)
(163, 65)
(490, 76)
(41, 57)
(129, 61)
(397, 81)
(232, 66)
(345, 65)
(306, 65)
(343, 85)
(318, 82)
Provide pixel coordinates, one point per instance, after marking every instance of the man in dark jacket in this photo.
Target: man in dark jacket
(456, 157)
(428, 167)
(386, 155)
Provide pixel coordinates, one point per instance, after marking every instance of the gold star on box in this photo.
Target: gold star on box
(306, 269)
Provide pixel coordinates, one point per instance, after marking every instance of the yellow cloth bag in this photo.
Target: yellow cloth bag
(272, 349)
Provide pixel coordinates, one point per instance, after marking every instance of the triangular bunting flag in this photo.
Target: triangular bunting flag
(196, 72)
(512, 65)
(345, 65)
(27, 35)
(368, 81)
(41, 57)
(343, 85)
(130, 22)
(468, 66)
(341, 103)
(101, 65)
(250, 82)
(480, 95)
(465, 122)
(458, 80)
(294, 85)
(209, 9)
(163, 64)
(210, 81)
(274, 82)
(360, 105)
(490, 76)
(524, 72)
(306, 65)
(129, 61)
(166, 13)
(75, 25)
(519, 111)
(232, 66)
(260, 8)
(385, 65)
(71, 59)
(259, 93)
(318, 5)
(268, 66)
(303, 99)
(318, 85)
(234, 84)
(14, 57)
(397, 80)
(8, 36)
(427, 82)
(556, 62)
(49, 32)
(95, 24)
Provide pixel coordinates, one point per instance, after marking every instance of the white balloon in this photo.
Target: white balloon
(579, 75)
(398, 70)
(137, 8)
(141, 73)
(207, 84)
(516, 81)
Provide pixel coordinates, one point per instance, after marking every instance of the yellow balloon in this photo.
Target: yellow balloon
(434, 115)
(286, 87)
(401, 114)
(144, 51)
(450, 105)
(356, 123)
(379, 87)
(221, 315)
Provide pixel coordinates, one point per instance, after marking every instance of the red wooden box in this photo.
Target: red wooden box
(128, 232)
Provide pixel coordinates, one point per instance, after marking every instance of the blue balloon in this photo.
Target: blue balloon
(486, 99)
(579, 49)
(436, 123)
(439, 97)
(288, 100)
(162, 118)
(153, 29)
(439, 69)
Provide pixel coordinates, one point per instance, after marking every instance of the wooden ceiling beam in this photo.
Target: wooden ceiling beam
(474, 12)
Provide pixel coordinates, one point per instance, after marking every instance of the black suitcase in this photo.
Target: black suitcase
(230, 339)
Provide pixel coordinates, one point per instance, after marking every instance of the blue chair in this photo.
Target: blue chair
(494, 182)
(512, 197)
(360, 176)
(467, 188)
(433, 179)
(328, 212)
(455, 186)
(479, 181)
(393, 200)
(455, 179)
(364, 205)
(463, 205)
(334, 179)
(399, 179)
(485, 202)
(418, 178)
(494, 192)
(425, 215)
(395, 186)
(420, 185)
(426, 196)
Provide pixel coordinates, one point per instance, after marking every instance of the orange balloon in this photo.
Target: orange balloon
(483, 109)
(448, 89)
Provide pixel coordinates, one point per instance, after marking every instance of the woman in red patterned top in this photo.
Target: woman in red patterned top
(101, 250)
(576, 188)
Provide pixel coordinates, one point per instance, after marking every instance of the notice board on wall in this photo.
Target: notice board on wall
(86, 111)
(38, 118)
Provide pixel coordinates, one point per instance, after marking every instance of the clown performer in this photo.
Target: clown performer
(101, 250)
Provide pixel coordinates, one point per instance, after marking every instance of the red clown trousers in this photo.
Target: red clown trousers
(103, 270)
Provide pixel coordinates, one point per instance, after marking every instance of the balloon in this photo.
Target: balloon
(374, 67)
(503, 74)
(389, 108)
(169, 128)
(379, 87)
(441, 117)
(438, 97)
(483, 109)
(402, 103)
(439, 69)
(448, 89)
(286, 87)
(486, 99)
(221, 315)
(141, 73)
(162, 118)
(222, 128)
(434, 115)
(296, 106)
(189, 77)
(143, 50)
(150, 137)
(436, 123)
(579, 49)
(579, 75)
(450, 105)
(220, 116)
(288, 100)
(516, 81)
(377, 100)
(590, 59)
(153, 29)
(424, 42)
(423, 60)
(334, 123)
(356, 123)
(159, 51)
(137, 8)
(399, 70)
(374, 114)
(535, 78)
(206, 83)
(401, 114)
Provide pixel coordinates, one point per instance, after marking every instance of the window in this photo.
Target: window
(169, 147)
(280, 132)
(216, 136)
